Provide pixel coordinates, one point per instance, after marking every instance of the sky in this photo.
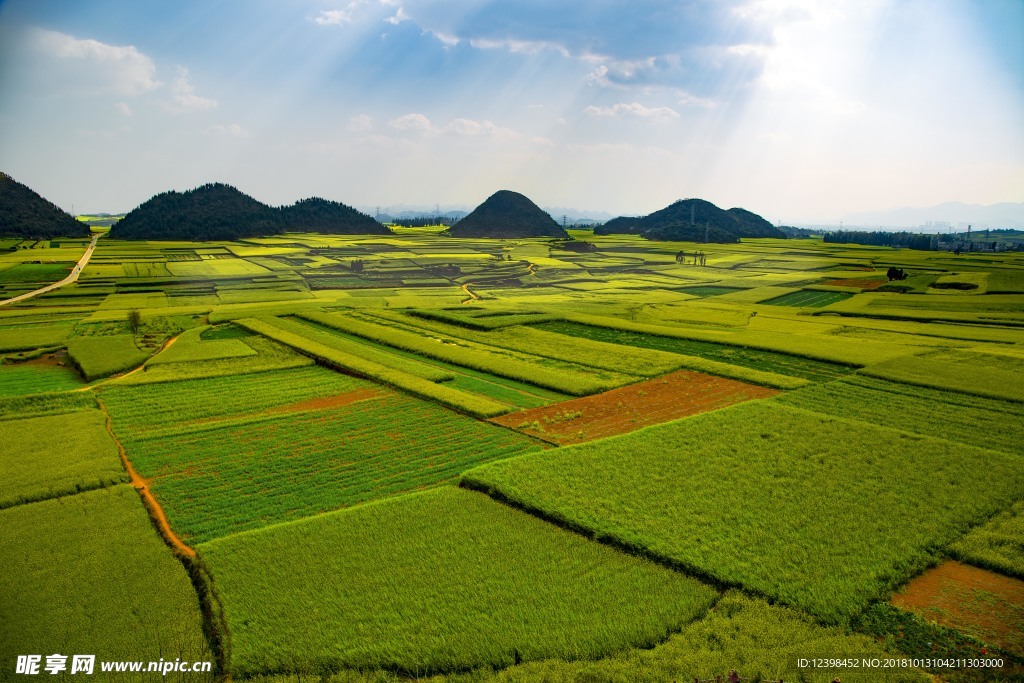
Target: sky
(800, 111)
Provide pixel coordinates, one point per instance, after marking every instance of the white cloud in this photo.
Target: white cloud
(183, 96)
(123, 109)
(688, 100)
(398, 17)
(473, 128)
(232, 130)
(445, 39)
(120, 69)
(528, 47)
(339, 17)
(417, 122)
(360, 123)
(634, 109)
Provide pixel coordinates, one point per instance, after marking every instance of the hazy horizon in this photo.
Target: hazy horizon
(799, 111)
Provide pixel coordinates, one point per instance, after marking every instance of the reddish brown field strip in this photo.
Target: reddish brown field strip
(977, 602)
(626, 409)
(328, 402)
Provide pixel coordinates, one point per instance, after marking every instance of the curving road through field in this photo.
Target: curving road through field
(72, 277)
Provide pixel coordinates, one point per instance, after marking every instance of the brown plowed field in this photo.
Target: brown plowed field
(978, 602)
(622, 410)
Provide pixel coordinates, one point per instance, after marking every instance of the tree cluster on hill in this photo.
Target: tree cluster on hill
(221, 212)
(692, 220)
(508, 214)
(910, 240)
(23, 213)
(320, 215)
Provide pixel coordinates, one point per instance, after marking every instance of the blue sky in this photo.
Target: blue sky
(798, 110)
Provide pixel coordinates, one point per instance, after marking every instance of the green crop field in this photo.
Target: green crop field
(97, 357)
(812, 298)
(19, 379)
(38, 462)
(998, 544)
(22, 337)
(965, 419)
(440, 581)
(93, 578)
(754, 359)
(823, 513)
(139, 409)
(40, 405)
(300, 407)
(557, 376)
(235, 454)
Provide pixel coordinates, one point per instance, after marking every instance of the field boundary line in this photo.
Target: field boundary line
(156, 512)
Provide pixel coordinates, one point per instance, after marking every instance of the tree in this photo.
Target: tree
(134, 320)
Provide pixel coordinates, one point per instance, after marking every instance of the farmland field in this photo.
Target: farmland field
(690, 469)
(788, 503)
(618, 411)
(435, 582)
(94, 578)
(226, 456)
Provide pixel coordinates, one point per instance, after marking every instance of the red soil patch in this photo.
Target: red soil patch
(980, 603)
(862, 283)
(626, 409)
(329, 401)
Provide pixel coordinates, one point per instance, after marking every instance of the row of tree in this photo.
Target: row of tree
(909, 240)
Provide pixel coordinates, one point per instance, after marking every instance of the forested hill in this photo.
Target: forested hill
(320, 215)
(23, 213)
(693, 220)
(221, 212)
(210, 212)
(508, 214)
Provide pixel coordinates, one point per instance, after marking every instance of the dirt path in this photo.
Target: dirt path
(531, 269)
(73, 277)
(473, 296)
(156, 512)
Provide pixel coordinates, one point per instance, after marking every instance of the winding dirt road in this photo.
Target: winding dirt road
(72, 277)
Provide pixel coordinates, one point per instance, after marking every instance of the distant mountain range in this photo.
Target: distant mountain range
(1004, 215)
(404, 212)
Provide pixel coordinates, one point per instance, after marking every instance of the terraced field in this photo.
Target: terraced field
(664, 455)
(755, 359)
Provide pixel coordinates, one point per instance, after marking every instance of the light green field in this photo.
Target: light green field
(998, 544)
(822, 513)
(190, 347)
(435, 582)
(39, 462)
(97, 357)
(21, 337)
(93, 578)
